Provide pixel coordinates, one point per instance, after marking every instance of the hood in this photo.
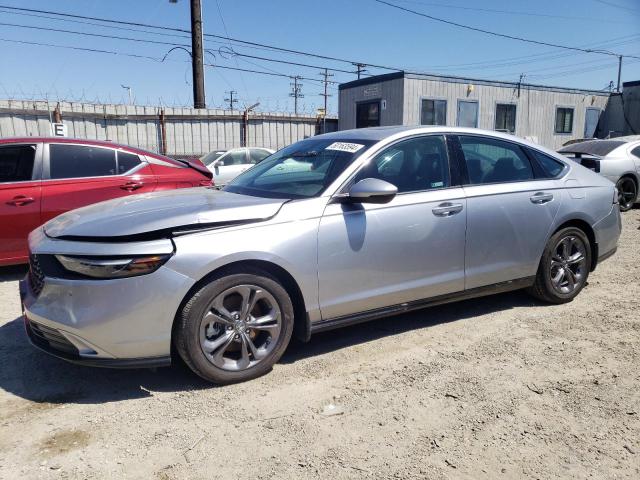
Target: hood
(161, 214)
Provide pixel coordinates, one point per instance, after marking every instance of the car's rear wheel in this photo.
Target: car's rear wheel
(627, 193)
(235, 327)
(564, 267)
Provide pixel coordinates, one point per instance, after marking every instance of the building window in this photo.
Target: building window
(564, 120)
(467, 113)
(368, 114)
(433, 112)
(505, 118)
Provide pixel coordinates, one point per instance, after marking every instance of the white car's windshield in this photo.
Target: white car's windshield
(302, 170)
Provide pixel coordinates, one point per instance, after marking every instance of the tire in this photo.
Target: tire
(561, 275)
(218, 347)
(627, 193)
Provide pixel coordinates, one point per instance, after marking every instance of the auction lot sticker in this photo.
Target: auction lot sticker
(345, 147)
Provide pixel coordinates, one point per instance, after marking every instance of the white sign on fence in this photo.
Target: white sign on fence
(58, 130)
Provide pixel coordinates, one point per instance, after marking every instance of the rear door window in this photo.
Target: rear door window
(76, 161)
(256, 155)
(238, 157)
(16, 163)
(491, 160)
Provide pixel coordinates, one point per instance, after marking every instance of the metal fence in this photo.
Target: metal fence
(173, 131)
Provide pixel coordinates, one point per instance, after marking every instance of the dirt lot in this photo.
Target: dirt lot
(501, 387)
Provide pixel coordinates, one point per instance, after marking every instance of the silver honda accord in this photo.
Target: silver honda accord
(333, 230)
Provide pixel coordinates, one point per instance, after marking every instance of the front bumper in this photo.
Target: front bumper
(123, 323)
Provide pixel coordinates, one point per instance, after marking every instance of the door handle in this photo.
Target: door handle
(20, 200)
(541, 197)
(447, 209)
(131, 186)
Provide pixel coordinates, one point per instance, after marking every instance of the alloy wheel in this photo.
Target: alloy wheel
(240, 327)
(568, 264)
(627, 192)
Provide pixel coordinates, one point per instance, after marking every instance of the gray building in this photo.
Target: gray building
(550, 116)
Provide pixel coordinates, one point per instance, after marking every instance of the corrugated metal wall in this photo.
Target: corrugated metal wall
(390, 114)
(188, 131)
(535, 107)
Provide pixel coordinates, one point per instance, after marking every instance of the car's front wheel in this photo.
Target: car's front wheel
(235, 327)
(564, 267)
(627, 193)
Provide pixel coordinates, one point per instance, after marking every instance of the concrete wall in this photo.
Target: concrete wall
(535, 106)
(188, 131)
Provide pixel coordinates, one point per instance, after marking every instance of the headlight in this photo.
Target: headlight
(112, 267)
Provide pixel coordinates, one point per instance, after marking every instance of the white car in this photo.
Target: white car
(228, 164)
(617, 159)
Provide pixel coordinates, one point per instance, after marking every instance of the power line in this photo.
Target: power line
(496, 34)
(210, 35)
(512, 12)
(360, 66)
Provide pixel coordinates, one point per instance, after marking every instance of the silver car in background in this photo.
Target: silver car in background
(228, 164)
(360, 224)
(617, 159)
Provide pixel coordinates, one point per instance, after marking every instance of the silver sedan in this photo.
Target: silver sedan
(333, 230)
(617, 159)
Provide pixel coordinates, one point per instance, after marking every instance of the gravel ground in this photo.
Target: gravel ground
(500, 387)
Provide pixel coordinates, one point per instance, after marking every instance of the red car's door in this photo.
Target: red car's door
(19, 199)
(76, 175)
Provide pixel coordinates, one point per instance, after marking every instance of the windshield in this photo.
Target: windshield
(211, 157)
(302, 170)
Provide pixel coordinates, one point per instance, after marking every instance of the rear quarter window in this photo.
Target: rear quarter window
(127, 161)
(550, 166)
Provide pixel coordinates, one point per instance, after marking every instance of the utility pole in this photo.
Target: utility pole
(619, 71)
(197, 56)
(360, 67)
(231, 100)
(296, 92)
(326, 95)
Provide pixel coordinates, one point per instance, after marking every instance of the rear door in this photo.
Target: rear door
(77, 175)
(20, 166)
(510, 211)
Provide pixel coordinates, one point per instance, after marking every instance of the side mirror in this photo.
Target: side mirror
(372, 190)
(218, 163)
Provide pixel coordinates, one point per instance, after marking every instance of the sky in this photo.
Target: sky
(362, 31)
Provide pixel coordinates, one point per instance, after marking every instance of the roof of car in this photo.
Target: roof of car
(380, 133)
(83, 141)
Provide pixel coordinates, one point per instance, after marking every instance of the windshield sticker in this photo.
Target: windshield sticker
(345, 147)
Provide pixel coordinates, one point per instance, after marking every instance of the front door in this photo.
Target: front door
(19, 199)
(372, 256)
(509, 211)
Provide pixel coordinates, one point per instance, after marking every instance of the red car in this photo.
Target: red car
(41, 178)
